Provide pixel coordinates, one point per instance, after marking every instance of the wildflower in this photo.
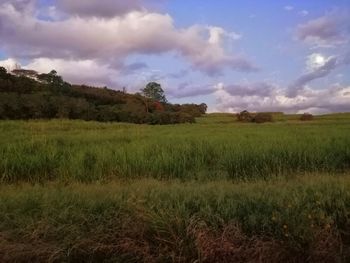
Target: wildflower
(309, 216)
(285, 226)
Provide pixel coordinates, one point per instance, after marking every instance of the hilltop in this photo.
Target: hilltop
(26, 94)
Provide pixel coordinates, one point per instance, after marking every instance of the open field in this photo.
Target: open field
(215, 191)
(216, 147)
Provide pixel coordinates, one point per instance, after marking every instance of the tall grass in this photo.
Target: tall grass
(215, 191)
(148, 218)
(37, 151)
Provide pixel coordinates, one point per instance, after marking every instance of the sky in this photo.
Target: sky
(291, 56)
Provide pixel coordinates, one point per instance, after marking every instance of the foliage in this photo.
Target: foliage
(262, 117)
(245, 116)
(51, 97)
(293, 220)
(154, 91)
(306, 117)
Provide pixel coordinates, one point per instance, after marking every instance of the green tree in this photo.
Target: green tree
(3, 71)
(154, 91)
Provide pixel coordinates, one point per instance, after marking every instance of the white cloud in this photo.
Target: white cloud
(315, 61)
(303, 12)
(317, 66)
(334, 99)
(112, 39)
(289, 8)
(9, 64)
(78, 71)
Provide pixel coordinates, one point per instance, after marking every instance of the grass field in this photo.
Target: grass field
(214, 191)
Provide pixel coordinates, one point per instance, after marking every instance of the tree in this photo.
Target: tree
(203, 108)
(154, 91)
(245, 116)
(3, 71)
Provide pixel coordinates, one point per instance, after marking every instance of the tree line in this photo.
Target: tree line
(48, 96)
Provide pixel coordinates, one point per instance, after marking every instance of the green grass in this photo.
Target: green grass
(170, 215)
(207, 192)
(37, 151)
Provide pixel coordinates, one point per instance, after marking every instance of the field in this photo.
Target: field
(214, 191)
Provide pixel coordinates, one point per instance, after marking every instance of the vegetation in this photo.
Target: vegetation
(299, 220)
(154, 91)
(306, 117)
(259, 117)
(64, 150)
(48, 96)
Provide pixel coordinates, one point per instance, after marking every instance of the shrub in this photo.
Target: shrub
(245, 116)
(185, 118)
(262, 117)
(306, 117)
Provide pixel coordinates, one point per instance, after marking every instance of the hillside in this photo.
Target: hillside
(25, 94)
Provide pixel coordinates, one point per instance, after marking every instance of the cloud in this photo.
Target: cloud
(109, 8)
(86, 72)
(133, 68)
(9, 64)
(108, 39)
(334, 99)
(23, 6)
(178, 75)
(289, 8)
(303, 13)
(317, 70)
(186, 90)
(256, 89)
(327, 31)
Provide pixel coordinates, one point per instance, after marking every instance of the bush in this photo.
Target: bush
(163, 118)
(262, 117)
(306, 117)
(245, 116)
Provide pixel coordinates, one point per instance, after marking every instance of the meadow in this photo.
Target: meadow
(214, 191)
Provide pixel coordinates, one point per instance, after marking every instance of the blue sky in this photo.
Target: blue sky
(288, 56)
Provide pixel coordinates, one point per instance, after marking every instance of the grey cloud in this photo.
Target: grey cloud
(233, 63)
(23, 6)
(326, 31)
(133, 68)
(99, 8)
(178, 75)
(256, 89)
(186, 90)
(330, 65)
(319, 72)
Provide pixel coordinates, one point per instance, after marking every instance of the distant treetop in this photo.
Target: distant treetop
(153, 90)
